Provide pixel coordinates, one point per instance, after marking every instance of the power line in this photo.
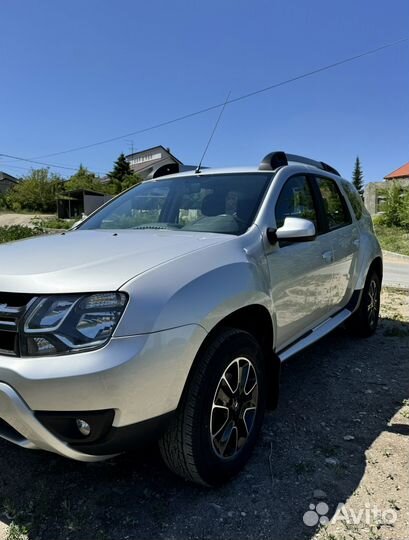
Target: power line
(12, 165)
(6, 166)
(41, 163)
(234, 100)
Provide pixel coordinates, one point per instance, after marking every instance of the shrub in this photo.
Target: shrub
(404, 211)
(378, 220)
(17, 232)
(393, 206)
(3, 202)
(53, 223)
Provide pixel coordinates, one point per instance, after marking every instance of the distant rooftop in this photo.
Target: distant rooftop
(155, 161)
(402, 172)
(154, 153)
(6, 176)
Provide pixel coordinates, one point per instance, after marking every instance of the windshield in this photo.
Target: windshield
(224, 203)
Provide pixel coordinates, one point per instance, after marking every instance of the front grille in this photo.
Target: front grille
(12, 308)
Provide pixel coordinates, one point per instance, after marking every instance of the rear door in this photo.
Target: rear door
(301, 273)
(344, 238)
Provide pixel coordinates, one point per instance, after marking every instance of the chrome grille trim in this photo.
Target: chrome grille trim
(12, 309)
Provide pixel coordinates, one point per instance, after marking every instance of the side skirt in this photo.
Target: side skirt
(320, 331)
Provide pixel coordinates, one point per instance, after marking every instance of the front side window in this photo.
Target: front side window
(334, 205)
(210, 203)
(295, 200)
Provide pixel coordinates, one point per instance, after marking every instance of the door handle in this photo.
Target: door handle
(356, 242)
(327, 256)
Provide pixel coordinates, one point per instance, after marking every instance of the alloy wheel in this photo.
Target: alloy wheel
(234, 408)
(373, 303)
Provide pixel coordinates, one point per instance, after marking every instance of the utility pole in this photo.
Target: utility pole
(131, 146)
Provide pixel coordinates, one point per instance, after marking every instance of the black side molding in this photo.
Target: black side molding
(354, 301)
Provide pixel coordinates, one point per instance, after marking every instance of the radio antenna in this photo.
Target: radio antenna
(211, 136)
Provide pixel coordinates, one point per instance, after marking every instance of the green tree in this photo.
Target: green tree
(358, 177)
(36, 192)
(83, 179)
(121, 169)
(122, 177)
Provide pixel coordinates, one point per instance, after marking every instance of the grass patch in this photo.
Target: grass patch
(394, 239)
(17, 532)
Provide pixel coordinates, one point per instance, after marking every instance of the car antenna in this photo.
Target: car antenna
(211, 136)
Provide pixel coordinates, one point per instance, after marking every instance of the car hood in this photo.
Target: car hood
(92, 260)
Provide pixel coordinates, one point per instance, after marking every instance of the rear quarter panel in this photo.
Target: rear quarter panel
(369, 248)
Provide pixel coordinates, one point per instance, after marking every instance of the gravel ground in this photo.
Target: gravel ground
(340, 435)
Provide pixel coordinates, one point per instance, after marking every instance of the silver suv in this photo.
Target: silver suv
(166, 314)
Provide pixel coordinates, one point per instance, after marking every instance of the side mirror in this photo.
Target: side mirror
(294, 230)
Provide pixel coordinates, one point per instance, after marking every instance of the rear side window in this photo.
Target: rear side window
(335, 206)
(295, 200)
(354, 198)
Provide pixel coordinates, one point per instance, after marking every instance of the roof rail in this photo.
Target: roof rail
(277, 159)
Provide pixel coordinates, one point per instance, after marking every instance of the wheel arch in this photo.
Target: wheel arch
(377, 266)
(256, 320)
(370, 258)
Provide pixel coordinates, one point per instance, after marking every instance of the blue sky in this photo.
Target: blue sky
(77, 72)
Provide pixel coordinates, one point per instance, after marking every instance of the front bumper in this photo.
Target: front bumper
(140, 378)
(23, 428)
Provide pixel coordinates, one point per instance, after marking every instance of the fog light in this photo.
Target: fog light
(83, 427)
(39, 346)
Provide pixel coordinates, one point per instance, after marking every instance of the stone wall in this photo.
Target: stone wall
(373, 193)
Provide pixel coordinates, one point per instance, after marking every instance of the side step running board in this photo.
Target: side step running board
(316, 334)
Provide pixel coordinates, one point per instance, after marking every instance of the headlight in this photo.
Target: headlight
(71, 323)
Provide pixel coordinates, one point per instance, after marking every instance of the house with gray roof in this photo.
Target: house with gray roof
(6, 182)
(156, 161)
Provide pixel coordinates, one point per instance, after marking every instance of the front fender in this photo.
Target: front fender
(212, 296)
(196, 289)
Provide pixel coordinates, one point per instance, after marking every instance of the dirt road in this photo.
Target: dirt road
(396, 270)
(19, 219)
(340, 435)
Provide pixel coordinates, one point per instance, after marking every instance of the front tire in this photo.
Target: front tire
(364, 321)
(219, 418)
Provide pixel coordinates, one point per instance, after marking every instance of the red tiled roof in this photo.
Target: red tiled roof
(402, 171)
